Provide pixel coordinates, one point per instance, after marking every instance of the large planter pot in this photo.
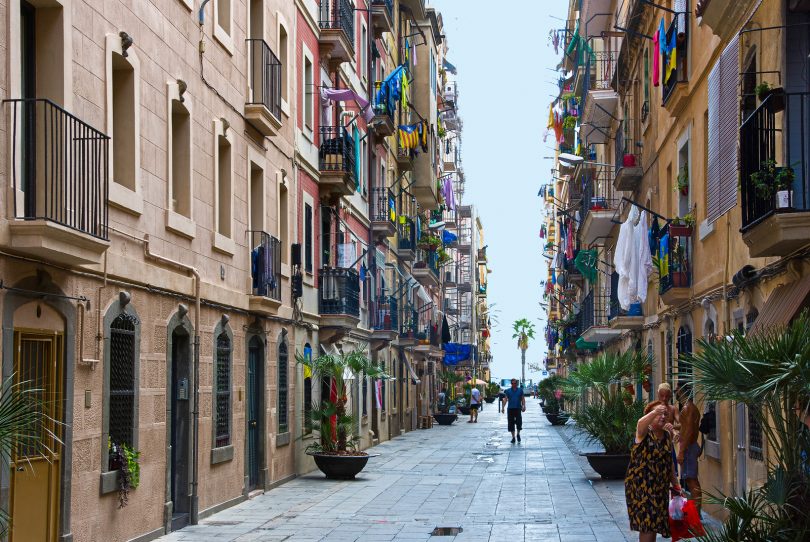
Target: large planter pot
(609, 466)
(341, 467)
(443, 418)
(558, 418)
(490, 400)
(464, 410)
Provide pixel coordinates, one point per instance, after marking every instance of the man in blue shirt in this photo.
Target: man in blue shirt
(515, 403)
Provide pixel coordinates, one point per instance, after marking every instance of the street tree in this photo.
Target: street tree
(523, 332)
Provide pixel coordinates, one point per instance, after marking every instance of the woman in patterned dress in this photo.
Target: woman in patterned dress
(650, 474)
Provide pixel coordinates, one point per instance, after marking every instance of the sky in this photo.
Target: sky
(506, 81)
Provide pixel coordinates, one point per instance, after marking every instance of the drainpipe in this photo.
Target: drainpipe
(195, 427)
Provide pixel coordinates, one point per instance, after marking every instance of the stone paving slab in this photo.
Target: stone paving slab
(464, 475)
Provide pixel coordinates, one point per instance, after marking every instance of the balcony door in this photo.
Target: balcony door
(255, 402)
(28, 89)
(797, 85)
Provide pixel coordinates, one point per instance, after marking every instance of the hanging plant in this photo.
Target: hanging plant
(125, 460)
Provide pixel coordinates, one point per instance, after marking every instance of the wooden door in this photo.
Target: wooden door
(37, 461)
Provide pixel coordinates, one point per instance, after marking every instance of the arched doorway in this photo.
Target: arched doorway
(181, 398)
(254, 417)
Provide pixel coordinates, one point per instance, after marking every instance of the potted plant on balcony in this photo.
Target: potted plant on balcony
(776, 94)
(429, 241)
(682, 181)
(336, 453)
(682, 226)
(602, 413)
(773, 180)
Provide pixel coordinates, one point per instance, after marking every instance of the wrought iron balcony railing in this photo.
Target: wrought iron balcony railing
(598, 193)
(264, 77)
(428, 259)
(383, 102)
(777, 132)
(627, 152)
(671, 75)
(384, 315)
(265, 265)
(383, 205)
(406, 235)
(674, 258)
(338, 15)
(339, 291)
(337, 151)
(60, 166)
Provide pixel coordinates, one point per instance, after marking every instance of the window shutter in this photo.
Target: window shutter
(723, 132)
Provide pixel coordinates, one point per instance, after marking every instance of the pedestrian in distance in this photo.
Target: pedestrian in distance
(475, 404)
(688, 447)
(515, 403)
(650, 475)
(501, 395)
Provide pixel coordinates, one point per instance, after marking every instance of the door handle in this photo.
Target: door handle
(252, 423)
(740, 447)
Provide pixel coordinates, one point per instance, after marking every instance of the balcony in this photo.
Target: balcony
(383, 212)
(618, 318)
(384, 107)
(599, 202)
(404, 156)
(572, 274)
(428, 332)
(406, 240)
(675, 270)
(778, 132)
(417, 7)
(449, 152)
(450, 93)
(60, 180)
(408, 324)
(338, 300)
(265, 273)
(721, 15)
(336, 19)
(482, 255)
(336, 159)
(382, 17)
(384, 322)
(674, 79)
(263, 109)
(594, 311)
(628, 160)
(426, 268)
(600, 98)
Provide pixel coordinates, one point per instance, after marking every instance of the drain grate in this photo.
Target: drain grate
(446, 531)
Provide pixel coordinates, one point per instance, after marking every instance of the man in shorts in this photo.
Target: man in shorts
(688, 447)
(515, 403)
(475, 404)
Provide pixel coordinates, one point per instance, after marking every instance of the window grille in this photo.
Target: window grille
(365, 394)
(754, 435)
(122, 380)
(684, 349)
(223, 391)
(282, 387)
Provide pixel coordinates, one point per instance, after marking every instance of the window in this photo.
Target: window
(223, 17)
(124, 136)
(256, 195)
(283, 45)
(307, 391)
(181, 165)
(326, 239)
(364, 394)
(363, 51)
(122, 381)
(684, 177)
(224, 172)
(222, 391)
(283, 366)
(668, 356)
(308, 225)
(684, 349)
(362, 182)
(309, 94)
(645, 106)
(395, 370)
(750, 318)
(711, 413)
(283, 222)
(754, 433)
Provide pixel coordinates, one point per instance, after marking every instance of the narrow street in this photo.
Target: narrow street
(465, 475)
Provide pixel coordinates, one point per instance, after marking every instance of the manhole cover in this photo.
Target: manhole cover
(446, 531)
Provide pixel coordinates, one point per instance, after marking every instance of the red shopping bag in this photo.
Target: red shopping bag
(690, 526)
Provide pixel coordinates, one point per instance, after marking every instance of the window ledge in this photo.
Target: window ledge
(285, 107)
(223, 244)
(180, 224)
(222, 454)
(109, 482)
(282, 439)
(125, 199)
(712, 449)
(223, 38)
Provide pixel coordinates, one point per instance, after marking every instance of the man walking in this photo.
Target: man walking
(688, 448)
(515, 403)
(475, 403)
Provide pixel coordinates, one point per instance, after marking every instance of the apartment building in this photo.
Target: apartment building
(668, 123)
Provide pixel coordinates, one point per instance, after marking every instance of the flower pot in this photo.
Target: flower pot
(444, 418)
(629, 160)
(609, 466)
(560, 418)
(490, 400)
(680, 279)
(464, 410)
(784, 199)
(680, 230)
(777, 98)
(340, 467)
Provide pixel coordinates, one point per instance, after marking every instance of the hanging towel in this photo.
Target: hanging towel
(623, 260)
(655, 233)
(645, 265)
(347, 95)
(569, 248)
(405, 84)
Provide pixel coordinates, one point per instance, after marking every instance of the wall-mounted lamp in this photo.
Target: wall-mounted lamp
(126, 43)
(225, 125)
(182, 86)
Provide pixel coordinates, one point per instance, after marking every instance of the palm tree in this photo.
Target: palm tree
(523, 332)
(770, 374)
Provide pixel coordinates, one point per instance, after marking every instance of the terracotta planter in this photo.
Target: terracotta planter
(629, 160)
(341, 467)
(609, 467)
(680, 230)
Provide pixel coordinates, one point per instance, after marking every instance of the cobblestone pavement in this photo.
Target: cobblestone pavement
(464, 475)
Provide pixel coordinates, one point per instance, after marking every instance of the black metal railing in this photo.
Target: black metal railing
(265, 265)
(338, 15)
(408, 322)
(777, 132)
(627, 153)
(427, 259)
(597, 191)
(339, 291)
(595, 308)
(60, 165)
(264, 77)
(674, 257)
(406, 235)
(337, 151)
(427, 331)
(384, 314)
(383, 205)
(600, 70)
(384, 104)
(678, 33)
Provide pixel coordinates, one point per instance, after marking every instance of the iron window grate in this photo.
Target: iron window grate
(282, 387)
(223, 391)
(122, 380)
(754, 435)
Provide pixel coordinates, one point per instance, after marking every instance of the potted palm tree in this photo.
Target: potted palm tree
(523, 332)
(550, 390)
(602, 412)
(770, 373)
(493, 389)
(446, 414)
(336, 453)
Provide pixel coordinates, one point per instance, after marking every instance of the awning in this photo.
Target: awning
(414, 378)
(782, 306)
